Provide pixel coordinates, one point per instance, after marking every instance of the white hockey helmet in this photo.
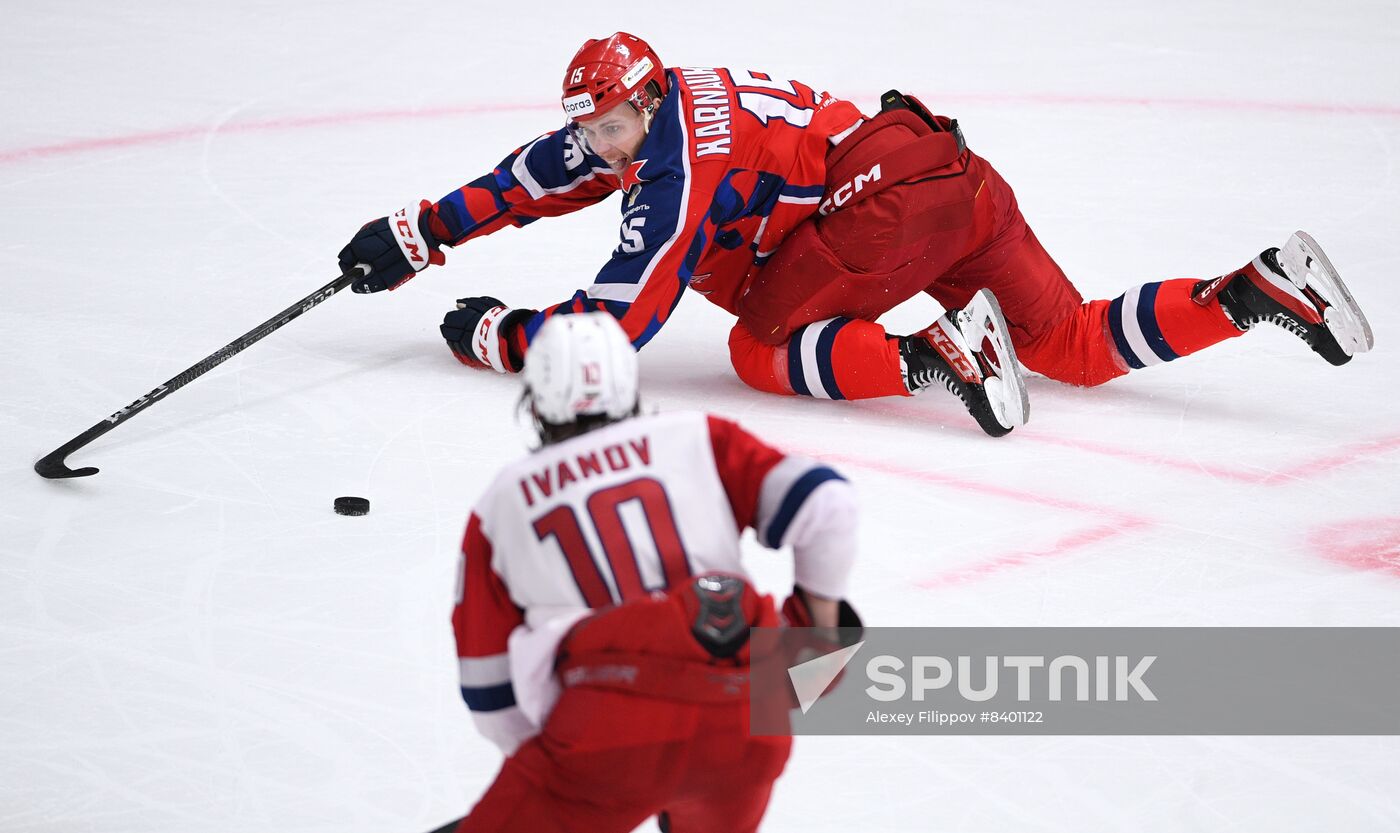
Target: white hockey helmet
(580, 366)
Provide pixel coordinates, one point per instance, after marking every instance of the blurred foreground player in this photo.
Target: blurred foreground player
(603, 617)
(807, 220)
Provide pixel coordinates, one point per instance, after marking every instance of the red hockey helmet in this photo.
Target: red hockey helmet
(607, 72)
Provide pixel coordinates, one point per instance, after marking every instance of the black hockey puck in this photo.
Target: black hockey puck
(351, 506)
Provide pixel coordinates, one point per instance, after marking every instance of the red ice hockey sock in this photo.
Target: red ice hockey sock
(1159, 322)
(839, 358)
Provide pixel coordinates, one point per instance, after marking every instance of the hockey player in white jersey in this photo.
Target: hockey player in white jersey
(641, 709)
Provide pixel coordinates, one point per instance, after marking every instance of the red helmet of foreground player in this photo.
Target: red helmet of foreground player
(607, 72)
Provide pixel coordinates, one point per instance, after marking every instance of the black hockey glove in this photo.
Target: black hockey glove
(395, 248)
(483, 332)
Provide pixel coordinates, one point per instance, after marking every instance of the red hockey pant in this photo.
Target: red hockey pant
(609, 759)
(807, 326)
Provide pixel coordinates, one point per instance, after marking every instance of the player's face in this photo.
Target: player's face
(617, 135)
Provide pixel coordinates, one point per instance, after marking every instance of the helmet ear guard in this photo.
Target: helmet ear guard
(653, 94)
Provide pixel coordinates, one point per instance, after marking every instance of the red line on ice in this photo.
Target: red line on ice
(1346, 455)
(1362, 543)
(155, 137)
(1119, 522)
(1302, 470)
(1076, 540)
(993, 490)
(1309, 107)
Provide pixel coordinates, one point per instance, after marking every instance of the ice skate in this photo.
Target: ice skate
(1297, 288)
(969, 352)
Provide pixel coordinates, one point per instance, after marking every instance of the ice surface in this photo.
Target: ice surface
(193, 641)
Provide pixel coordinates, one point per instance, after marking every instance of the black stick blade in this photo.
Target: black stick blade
(54, 468)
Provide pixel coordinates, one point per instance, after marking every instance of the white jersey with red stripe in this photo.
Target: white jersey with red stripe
(613, 515)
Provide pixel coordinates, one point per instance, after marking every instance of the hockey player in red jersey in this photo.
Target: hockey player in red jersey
(603, 616)
(808, 220)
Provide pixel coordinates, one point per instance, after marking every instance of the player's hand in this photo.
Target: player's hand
(806, 610)
(395, 248)
(823, 612)
(483, 332)
(829, 625)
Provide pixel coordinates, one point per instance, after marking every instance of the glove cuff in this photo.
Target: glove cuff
(513, 337)
(418, 248)
(499, 339)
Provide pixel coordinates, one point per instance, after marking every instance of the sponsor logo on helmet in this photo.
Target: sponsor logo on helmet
(638, 71)
(578, 105)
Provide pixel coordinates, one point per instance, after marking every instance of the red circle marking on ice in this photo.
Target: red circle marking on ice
(1362, 543)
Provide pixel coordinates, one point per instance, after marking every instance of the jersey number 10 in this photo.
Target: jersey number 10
(605, 512)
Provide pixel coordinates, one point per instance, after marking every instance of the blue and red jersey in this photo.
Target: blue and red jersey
(732, 162)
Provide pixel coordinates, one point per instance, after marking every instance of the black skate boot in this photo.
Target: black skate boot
(968, 351)
(1297, 288)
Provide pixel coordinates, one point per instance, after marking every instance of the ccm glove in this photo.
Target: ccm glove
(483, 332)
(395, 248)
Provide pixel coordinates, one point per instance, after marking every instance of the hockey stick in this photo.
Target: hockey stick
(52, 465)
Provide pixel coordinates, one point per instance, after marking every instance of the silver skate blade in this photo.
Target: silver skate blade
(1307, 265)
(982, 323)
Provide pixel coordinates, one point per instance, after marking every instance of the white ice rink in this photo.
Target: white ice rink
(192, 642)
